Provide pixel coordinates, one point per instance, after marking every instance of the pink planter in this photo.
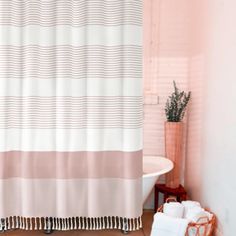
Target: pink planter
(174, 151)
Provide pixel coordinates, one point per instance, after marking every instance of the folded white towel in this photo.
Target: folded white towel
(188, 205)
(164, 225)
(195, 213)
(173, 209)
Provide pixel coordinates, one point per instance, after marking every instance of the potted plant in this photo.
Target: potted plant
(175, 109)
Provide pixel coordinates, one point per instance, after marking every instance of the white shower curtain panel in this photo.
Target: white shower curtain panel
(70, 114)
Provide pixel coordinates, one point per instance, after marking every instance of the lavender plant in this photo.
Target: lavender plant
(176, 105)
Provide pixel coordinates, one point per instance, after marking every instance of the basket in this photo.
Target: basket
(203, 227)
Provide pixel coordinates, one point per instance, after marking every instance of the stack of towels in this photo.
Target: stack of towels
(176, 216)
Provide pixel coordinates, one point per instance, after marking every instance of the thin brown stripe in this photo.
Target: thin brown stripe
(69, 165)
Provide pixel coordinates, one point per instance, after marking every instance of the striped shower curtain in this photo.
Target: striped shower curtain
(70, 114)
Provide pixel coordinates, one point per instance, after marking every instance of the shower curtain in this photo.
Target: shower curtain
(70, 114)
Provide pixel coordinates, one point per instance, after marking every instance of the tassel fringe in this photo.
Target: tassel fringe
(71, 223)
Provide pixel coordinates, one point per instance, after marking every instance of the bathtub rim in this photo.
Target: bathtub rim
(168, 168)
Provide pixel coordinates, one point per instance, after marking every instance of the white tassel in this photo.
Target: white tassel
(1, 224)
(96, 221)
(59, 223)
(26, 224)
(119, 223)
(103, 222)
(17, 225)
(56, 223)
(23, 221)
(75, 223)
(63, 224)
(129, 224)
(108, 226)
(45, 224)
(87, 223)
(64, 220)
(134, 224)
(115, 223)
(20, 222)
(8, 223)
(137, 224)
(140, 224)
(90, 223)
(93, 222)
(99, 223)
(53, 223)
(40, 223)
(110, 218)
(66, 223)
(35, 223)
(71, 223)
(82, 222)
(31, 224)
(110, 222)
(13, 222)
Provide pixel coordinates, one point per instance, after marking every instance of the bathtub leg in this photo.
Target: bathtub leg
(48, 229)
(125, 230)
(3, 226)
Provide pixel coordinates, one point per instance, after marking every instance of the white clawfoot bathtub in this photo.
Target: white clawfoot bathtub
(153, 168)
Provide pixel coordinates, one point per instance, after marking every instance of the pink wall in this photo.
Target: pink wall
(210, 163)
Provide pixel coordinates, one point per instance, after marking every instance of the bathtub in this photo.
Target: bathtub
(153, 168)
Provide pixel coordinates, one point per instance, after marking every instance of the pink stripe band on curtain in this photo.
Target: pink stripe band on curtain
(81, 164)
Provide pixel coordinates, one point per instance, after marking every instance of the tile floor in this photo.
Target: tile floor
(147, 222)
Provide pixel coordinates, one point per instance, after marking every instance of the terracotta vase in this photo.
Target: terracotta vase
(174, 151)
